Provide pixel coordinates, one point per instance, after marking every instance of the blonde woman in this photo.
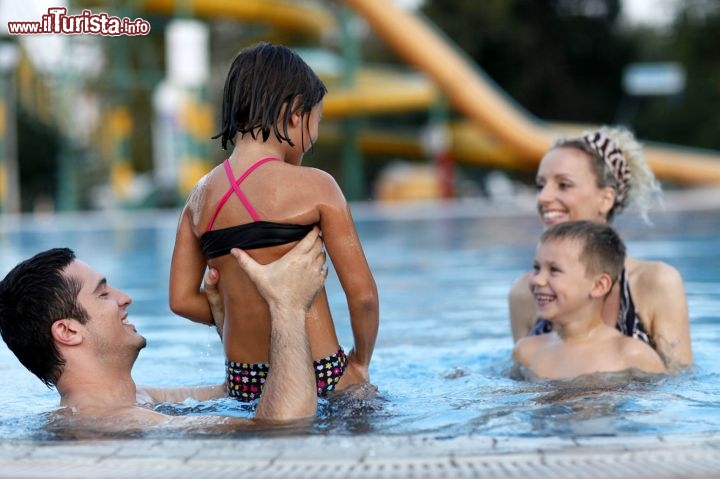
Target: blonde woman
(595, 177)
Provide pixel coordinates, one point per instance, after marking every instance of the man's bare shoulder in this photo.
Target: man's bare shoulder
(137, 420)
(91, 420)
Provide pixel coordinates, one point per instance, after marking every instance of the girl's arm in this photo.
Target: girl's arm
(186, 274)
(343, 246)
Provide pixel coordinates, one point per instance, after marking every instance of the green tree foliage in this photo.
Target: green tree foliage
(560, 59)
(691, 118)
(38, 145)
(563, 60)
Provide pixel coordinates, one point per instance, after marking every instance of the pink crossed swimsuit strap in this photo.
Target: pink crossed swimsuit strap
(235, 187)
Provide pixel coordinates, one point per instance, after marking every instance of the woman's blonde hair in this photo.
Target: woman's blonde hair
(638, 187)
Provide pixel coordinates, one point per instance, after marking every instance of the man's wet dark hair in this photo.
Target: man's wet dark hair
(34, 295)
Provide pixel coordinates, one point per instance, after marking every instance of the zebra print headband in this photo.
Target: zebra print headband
(614, 159)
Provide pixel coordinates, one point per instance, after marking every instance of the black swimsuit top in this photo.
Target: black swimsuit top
(258, 234)
(628, 321)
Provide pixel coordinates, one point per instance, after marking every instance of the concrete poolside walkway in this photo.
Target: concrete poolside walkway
(316, 457)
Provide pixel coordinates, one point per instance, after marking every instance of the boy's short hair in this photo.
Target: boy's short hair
(602, 250)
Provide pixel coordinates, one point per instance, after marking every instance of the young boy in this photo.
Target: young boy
(576, 265)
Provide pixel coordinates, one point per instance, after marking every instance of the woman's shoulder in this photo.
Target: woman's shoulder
(654, 285)
(655, 274)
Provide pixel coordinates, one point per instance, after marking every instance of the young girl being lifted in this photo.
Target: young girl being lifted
(263, 201)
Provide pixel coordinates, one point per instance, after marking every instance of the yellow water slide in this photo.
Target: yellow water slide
(473, 95)
(283, 14)
(499, 133)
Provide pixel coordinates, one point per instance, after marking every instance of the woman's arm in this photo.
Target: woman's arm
(669, 326)
(345, 251)
(186, 273)
(522, 308)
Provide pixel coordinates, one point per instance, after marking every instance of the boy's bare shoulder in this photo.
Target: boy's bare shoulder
(527, 346)
(640, 355)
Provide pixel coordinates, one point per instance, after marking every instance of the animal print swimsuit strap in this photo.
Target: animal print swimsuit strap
(614, 159)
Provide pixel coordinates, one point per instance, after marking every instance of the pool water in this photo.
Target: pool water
(442, 360)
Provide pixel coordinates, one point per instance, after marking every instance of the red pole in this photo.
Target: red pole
(446, 173)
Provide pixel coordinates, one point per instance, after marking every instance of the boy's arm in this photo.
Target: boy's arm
(523, 354)
(348, 258)
(520, 352)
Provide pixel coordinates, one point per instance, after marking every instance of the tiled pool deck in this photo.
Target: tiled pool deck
(368, 457)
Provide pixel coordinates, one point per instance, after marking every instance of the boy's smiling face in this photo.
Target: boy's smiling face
(559, 281)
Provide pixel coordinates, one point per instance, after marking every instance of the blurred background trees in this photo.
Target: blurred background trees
(563, 60)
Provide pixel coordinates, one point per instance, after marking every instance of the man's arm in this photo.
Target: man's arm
(289, 285)
(176, 395)
(210, 282)
(199, 393)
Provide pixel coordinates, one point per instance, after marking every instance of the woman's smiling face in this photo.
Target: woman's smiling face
(567, 188)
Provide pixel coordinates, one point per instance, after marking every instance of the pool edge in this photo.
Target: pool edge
(688, 456)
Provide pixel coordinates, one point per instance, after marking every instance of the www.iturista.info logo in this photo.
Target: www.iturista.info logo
(57, 21)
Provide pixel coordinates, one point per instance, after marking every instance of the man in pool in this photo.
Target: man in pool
(69, 327)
